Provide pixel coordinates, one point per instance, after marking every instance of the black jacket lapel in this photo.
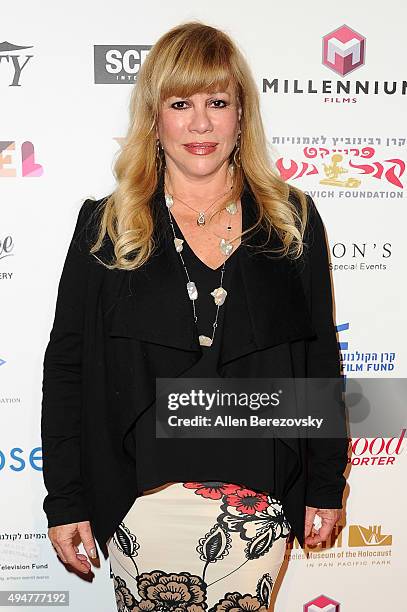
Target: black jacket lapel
(274, 309)
(156, 307)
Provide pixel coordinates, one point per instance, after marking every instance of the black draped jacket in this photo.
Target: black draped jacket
(98, 376)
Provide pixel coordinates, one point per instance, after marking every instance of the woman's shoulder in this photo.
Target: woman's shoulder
(91, 208)
(314, 221)
(88, 222)
(294, 198)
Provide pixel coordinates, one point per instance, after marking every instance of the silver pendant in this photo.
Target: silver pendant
(232, 208)
(169, 201)
(201, 219)
(205, 341)
(192, 290)
(219, 295)
(225, 246)
(178, 244)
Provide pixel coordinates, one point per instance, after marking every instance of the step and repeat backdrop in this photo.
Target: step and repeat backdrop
(332, 84)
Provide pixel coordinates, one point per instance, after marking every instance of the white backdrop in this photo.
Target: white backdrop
(59, 134)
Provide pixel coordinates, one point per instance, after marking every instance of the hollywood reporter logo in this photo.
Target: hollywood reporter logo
(343, 50)
(376, 451)
(322, 604)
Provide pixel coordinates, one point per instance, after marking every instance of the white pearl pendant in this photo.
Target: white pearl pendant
(225, 246)
(205, 340)
(192, 290)
(178, 244)
(169, 201)
(232, 208)
(219, 295)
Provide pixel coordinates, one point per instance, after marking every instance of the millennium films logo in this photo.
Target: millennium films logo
(12, 60)
(322, 603)
(343, 50)
(118, 64)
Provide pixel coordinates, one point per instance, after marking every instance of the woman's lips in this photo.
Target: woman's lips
(201, 149)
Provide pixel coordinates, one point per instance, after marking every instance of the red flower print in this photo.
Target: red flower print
(212, 489)
(247, 501)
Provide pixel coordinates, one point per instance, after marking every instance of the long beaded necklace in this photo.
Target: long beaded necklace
(219, 293)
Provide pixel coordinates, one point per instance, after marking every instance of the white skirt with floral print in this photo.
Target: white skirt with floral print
(197, 547)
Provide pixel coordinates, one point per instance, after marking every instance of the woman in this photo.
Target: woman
(202, 263)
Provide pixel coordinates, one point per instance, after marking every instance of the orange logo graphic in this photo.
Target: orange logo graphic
(368, 536)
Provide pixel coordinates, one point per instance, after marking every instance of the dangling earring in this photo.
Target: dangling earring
(158, 157)
(236, 155)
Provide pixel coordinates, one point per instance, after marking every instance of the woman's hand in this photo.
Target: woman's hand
(62, 538)
(329, 517)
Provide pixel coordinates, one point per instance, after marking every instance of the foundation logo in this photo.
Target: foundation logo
(322, 604)
(368, 536)
(343, 50)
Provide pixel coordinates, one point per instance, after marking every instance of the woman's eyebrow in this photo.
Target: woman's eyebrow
(216, 93)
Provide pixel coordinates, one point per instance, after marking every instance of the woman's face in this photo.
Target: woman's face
(199, 133)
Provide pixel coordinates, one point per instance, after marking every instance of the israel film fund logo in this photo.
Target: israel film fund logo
(322, 604)
(343, 50)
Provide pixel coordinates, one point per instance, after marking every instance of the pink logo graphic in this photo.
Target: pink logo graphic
(30, 167)
(322, 604)
(343, 50)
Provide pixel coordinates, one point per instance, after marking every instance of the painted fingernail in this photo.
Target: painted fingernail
(93, 553)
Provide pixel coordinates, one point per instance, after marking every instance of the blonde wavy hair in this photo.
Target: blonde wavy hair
(190, 58)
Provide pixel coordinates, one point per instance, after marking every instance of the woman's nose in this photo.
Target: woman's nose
(200, 120)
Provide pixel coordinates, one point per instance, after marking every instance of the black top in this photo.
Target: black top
(206, 280)
(161, 460)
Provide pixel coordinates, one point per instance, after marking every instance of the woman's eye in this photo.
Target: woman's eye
(221, 101)
(178, 107)
(223, 104)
